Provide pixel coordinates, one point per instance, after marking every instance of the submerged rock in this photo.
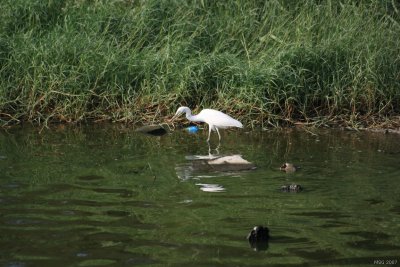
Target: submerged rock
(288, 167)
(291, 188)
(156, 130)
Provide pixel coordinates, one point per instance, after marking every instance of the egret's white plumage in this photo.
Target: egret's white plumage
(214, 118)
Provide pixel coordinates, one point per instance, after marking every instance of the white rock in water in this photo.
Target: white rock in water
(205, 164)
(230, 163)
(234, 159)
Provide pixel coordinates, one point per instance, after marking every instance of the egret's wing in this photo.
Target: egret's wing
(218, 119)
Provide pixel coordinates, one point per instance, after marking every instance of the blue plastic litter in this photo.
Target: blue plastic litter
(192, 129)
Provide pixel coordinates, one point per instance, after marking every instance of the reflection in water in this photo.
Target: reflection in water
(214, 188)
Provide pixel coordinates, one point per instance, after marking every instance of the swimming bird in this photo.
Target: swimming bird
(214, 118)
(288, 167)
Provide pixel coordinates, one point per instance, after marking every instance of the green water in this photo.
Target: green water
(108, 196)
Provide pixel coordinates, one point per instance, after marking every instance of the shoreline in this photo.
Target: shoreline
(388, 125)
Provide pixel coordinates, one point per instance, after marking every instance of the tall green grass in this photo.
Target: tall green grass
(266, 62)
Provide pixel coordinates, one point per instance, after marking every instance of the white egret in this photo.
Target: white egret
(214, 118)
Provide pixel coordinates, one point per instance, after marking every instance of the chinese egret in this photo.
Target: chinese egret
(214, 118)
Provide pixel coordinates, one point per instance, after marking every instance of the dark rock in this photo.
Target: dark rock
(156, 130)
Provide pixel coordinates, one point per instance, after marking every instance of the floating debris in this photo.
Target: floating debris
(192, 129)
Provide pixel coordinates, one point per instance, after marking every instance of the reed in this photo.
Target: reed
(266, 62)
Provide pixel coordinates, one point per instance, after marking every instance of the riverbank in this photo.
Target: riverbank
(268, 64)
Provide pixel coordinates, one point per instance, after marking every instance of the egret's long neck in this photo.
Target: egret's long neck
(191, 117)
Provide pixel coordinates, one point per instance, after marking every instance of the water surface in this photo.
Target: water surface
(108, 196)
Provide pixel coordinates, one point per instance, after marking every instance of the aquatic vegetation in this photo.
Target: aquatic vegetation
(265, 62)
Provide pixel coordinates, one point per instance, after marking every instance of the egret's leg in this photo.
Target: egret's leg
(209, 133)
(218, 134)
(217, 148)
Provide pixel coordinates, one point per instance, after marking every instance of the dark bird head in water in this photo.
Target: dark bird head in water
(258, 238)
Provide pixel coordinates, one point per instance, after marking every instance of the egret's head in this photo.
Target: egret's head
(180, 111)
